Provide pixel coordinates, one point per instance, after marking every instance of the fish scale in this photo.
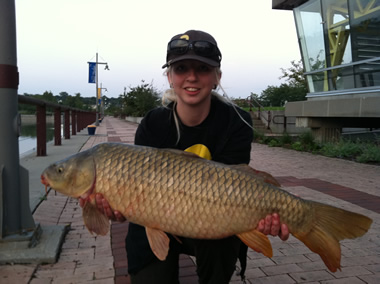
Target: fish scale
(178, 193)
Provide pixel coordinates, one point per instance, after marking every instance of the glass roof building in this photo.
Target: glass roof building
(340, 47)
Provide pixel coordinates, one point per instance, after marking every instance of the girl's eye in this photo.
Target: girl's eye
(204, 68)
(180, 68)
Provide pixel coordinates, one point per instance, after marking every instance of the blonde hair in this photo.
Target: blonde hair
(169, 96)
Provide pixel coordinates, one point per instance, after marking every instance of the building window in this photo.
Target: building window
(340, 43)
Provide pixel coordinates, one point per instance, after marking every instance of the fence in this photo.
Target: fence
(79, 120)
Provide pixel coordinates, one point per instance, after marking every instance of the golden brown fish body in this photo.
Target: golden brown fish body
(178, 193)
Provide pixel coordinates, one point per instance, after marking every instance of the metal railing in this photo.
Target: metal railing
(275, 119)
(254, 103)
(79, 120)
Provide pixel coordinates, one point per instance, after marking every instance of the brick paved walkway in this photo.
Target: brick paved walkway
(87, 258)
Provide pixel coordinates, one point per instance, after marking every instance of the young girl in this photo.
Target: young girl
(196, 119)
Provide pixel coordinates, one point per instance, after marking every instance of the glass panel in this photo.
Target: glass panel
(336, 18)
(310, 33)
(367, 74)
(317, 81)
(342, 78)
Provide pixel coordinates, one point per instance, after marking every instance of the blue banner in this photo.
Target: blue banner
(91, 72)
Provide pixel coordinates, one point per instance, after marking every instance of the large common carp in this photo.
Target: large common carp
(176, 192)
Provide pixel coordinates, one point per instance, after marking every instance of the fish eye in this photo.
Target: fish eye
(60, 170)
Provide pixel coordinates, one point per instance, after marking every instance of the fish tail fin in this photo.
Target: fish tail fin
(330, 226)
(94, 220)
(257, 241)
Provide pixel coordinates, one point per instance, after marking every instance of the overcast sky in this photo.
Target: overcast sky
(56, 39)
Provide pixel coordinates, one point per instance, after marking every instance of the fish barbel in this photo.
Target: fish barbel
(177, 192)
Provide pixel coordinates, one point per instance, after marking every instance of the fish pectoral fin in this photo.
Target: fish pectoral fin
(257, 241)
(159, 242)
(94, 220)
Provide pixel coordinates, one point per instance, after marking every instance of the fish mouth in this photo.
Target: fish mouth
(45, 182)
(85, 195)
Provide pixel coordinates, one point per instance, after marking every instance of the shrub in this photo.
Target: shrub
(286, 139)
(273, 143)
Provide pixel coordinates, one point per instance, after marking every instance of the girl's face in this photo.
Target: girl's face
(192, 81)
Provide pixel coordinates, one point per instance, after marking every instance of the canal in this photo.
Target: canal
(27, 141)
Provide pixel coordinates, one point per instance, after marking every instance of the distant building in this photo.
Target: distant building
(340, 47)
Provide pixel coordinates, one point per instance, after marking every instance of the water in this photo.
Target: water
(27, 141)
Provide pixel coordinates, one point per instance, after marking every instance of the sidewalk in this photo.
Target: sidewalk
(88, 258)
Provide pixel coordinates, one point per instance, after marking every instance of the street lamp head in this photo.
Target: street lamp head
(106, 68)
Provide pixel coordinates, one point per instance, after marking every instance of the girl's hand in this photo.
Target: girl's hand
(271, 226)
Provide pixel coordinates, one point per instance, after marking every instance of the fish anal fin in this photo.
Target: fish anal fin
(159, 242)
(94, 220)
(257, 241)
(330, 225)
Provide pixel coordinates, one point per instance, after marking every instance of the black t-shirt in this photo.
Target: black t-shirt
(227, 137)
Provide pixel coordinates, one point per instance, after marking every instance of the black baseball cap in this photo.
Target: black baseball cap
(195, 45)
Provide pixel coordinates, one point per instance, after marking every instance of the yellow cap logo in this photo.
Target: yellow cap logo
(185, 37)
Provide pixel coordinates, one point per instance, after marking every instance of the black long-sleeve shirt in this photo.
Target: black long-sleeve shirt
(227, 137)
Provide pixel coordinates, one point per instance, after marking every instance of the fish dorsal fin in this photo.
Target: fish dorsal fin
(257, 241)
(183, 153)
(264, 176)
(94, 220)
(159, 242)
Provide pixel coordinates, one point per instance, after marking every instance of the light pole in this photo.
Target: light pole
(16, 220)
(93, 78)
(102, 99)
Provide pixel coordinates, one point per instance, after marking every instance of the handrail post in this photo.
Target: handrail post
(285, 122)
(79, 120)
(73, 122)
(67, 124)
(41, 130)
(57, 127)
(259, 112)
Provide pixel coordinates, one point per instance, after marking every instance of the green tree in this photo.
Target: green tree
(294, 90)
(294, 74)
(278, 96)
(139, 100)
(49, 97)
(75, 101)
(63, 97)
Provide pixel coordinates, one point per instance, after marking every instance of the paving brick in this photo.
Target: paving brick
(351, 271)
(16, 273)
(290, 259)
(260, 262)
(311, 276)
(250, 273)
(283, 279)
(122, 280)
(281, 269)
(371, 279)
(350, 280)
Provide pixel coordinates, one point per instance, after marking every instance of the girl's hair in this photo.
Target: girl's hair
(169, 96)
